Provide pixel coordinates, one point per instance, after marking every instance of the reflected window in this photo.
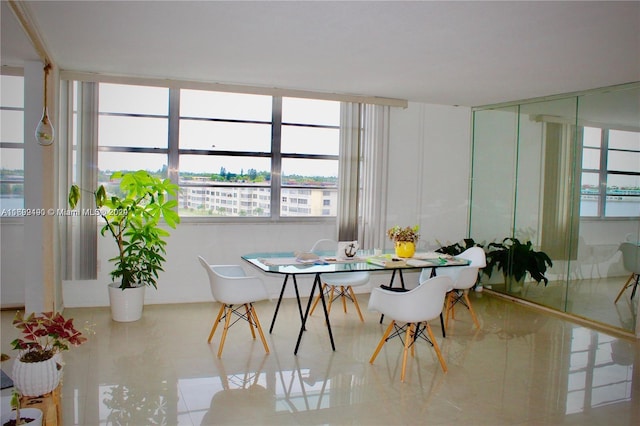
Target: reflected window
(610, 186)
(600, 373)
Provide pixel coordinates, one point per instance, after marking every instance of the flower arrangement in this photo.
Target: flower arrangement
(44, 335)
(407, 234)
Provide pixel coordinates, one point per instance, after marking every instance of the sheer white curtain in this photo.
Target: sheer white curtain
(81, 241)
(363, 174)
(350, 125)
(374, 176)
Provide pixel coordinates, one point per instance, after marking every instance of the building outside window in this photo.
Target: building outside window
(232, 154)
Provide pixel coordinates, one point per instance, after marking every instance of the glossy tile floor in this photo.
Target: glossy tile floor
(588, 298)
(522, 367)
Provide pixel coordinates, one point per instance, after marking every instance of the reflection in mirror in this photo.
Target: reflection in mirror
(565, 175)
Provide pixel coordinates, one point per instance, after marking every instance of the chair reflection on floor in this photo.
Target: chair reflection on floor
(244, 398)
(305, 388)
(631, 261)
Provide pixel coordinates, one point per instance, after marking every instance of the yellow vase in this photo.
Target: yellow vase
(405, 248)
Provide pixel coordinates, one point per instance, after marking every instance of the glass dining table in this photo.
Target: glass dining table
(291, 266)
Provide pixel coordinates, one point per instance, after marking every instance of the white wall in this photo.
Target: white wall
(12, 255)
(427, 143)
(429, 167)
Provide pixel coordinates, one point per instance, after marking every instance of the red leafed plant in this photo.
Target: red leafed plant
(44, 335)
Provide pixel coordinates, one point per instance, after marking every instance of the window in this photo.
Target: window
(133, 126)
(232, 154)
(225, 145)
(11, 145)
(610, 173)
(310, 152)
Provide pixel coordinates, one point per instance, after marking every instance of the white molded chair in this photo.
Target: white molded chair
(463, 278)
(415, 308)
(231, 286)
(631, 261)
(339, 284)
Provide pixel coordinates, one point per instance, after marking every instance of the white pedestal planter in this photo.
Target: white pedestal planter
(36, 378)
(127, 304)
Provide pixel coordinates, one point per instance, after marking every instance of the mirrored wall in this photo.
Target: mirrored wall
(563, 173)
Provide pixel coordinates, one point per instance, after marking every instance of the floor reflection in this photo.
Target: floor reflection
(587, 298)
(520, 367)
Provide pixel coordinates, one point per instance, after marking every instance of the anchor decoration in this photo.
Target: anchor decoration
(351, 249)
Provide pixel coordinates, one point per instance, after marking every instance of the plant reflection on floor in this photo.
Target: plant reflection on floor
(131, 403)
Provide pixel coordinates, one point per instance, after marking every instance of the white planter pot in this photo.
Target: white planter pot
(127, 304)
(36, 378)
(25, 413)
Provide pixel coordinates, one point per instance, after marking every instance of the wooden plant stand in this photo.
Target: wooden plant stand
(49, 404)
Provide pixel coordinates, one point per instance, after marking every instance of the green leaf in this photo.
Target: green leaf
(74, 196)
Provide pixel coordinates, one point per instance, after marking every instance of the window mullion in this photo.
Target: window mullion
(604, 155)
(174, 135)
(276, 156)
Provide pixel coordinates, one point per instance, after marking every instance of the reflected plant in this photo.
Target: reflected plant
(516, 259)
(133, 406)
(142, 392)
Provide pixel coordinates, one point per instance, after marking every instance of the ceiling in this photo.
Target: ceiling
(453, 53)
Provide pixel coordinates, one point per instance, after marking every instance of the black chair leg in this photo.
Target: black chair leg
(635, 286)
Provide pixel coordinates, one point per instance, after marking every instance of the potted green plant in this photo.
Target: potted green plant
(515, 259)
(38, 367)
(21, 416)
(404, 239)
(132, 218)
(459, 247)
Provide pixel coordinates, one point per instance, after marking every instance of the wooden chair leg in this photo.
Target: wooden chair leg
(382, 341)
(249, 320)
(624, 287)
(229, 312)
(254, 317)
(436, 347)
(448, 308)
(315, 303)
(215, 324)
(355, 302)
(473, 314)
(333, 289)
(408, 338)
(344, 299)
